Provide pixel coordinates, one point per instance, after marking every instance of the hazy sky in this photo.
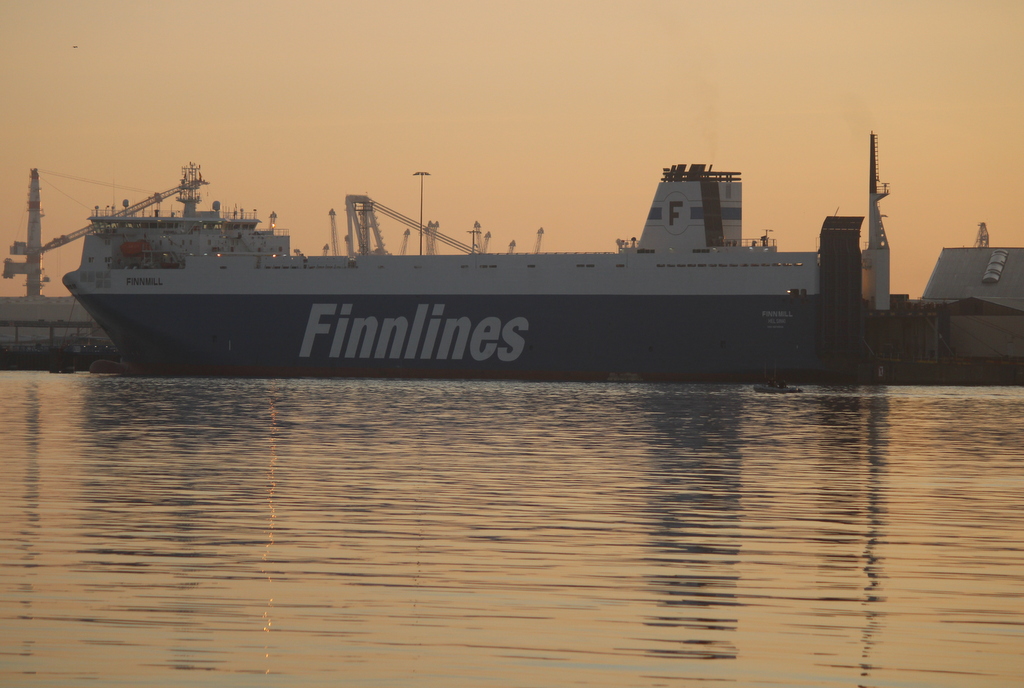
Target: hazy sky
(554, 114)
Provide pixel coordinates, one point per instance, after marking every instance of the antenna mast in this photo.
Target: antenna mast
(191, 182)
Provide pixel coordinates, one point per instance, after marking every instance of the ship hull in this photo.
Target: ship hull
(543, 337)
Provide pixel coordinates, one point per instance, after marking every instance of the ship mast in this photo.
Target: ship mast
(191, 181)
(875, 258)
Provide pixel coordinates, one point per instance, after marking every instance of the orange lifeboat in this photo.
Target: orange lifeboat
(133, 249)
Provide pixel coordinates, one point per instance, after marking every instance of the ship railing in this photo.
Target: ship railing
(762, 242)
(238, 214)
(272, 232)
(554, 253)
(110, 213)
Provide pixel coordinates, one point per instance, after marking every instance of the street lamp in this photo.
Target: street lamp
(421, 175)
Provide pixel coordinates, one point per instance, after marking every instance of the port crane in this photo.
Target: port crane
(982, 239)
(433, 229)
(33, 248)
(475, 234)
(365, 230)
(334, 234)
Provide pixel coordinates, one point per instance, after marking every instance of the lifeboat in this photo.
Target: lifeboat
(134, 249)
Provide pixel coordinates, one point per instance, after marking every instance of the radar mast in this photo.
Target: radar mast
(875, 258)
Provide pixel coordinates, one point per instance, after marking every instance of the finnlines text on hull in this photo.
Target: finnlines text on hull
(427, 337)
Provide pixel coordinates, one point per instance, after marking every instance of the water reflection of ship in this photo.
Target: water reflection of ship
(696, 466)
(863, 423)
(28, 530)
(268, 621)
(161, 487)
(697, 441)
(701, 441)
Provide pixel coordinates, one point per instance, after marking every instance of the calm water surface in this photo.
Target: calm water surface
(220, 532)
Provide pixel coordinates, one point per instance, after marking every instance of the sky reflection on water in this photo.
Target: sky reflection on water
(414, 533)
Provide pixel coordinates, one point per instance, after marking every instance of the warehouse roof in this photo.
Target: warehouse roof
(984, 273)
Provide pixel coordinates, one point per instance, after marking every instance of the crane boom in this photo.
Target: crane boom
(362, 220)
(189, 182)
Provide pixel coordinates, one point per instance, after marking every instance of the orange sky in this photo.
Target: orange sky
(552, 113)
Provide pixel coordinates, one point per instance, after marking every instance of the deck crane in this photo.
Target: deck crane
(405, 241)
(487, 240)
(540, 235)
(191, 181)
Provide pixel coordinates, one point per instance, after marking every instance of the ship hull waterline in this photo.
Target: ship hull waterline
(535, 337)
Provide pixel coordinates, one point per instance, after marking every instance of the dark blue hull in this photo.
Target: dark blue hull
(555, 337)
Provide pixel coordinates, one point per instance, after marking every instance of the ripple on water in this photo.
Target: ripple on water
(469, 533)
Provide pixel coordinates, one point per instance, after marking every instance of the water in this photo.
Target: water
(219, 532)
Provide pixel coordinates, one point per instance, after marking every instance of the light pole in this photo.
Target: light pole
(421, 175)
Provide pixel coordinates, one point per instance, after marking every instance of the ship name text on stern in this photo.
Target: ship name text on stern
(441, 338)
(776, 319)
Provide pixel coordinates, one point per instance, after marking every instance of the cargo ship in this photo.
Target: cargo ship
(209, 292)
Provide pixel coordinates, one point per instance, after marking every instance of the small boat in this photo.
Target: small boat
(776, 387)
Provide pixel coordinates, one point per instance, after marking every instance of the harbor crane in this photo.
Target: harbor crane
(334, 234)
(475, 233)
(982, 240)
(364, 230)
(33, 248)
(433, 229)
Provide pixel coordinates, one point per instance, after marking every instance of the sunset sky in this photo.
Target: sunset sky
(554, 114)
